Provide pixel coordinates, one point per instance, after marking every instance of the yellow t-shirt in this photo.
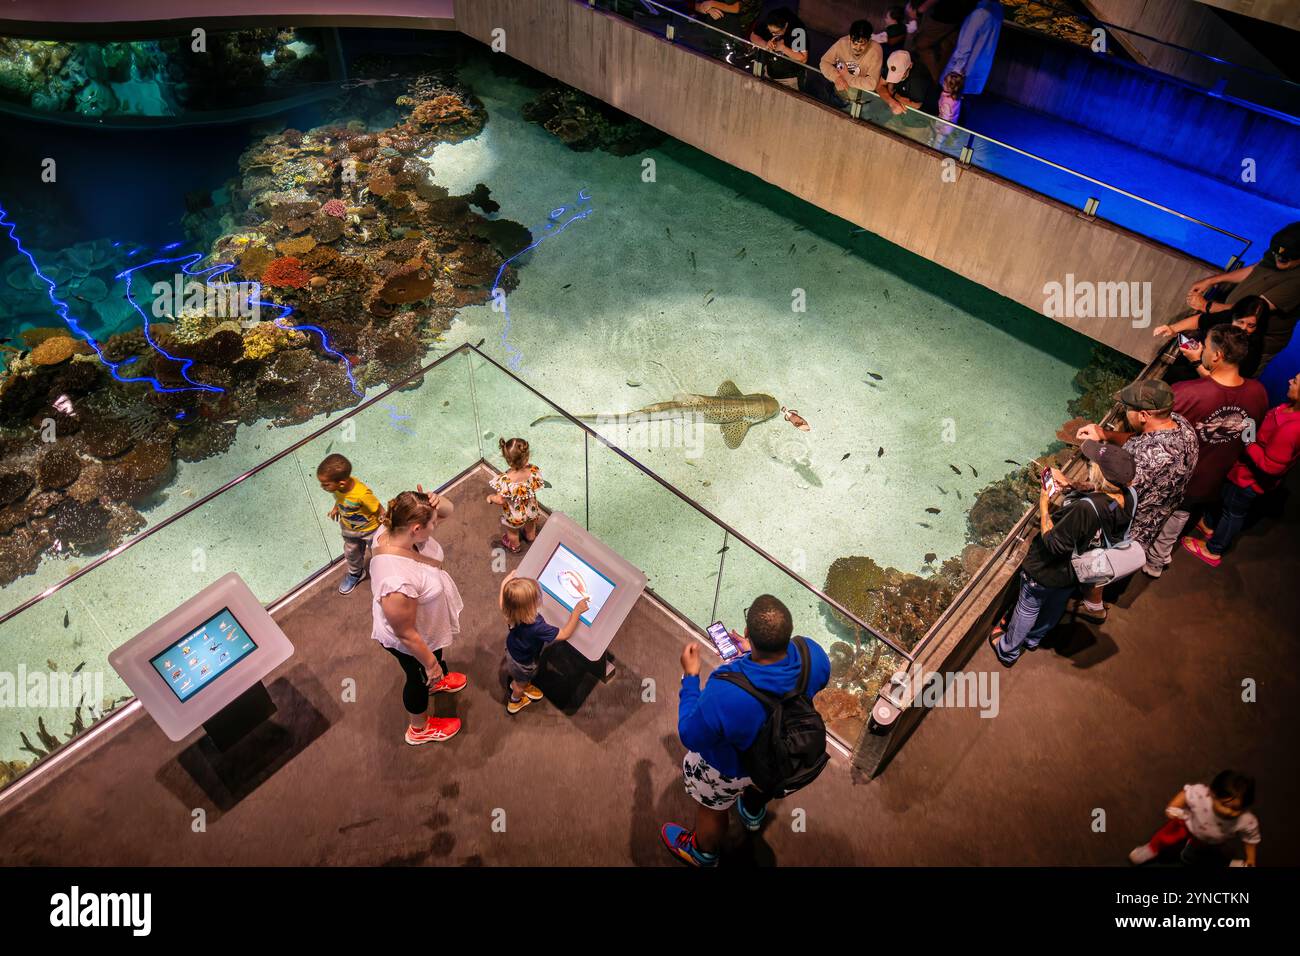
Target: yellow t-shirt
(358, 509)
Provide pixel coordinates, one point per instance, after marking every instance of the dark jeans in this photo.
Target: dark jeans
(1236, 505)
(1038, 610)
(415, 694)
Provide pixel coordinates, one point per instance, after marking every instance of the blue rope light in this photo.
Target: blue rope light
(514, 357)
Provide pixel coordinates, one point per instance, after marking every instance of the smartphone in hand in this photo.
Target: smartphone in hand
(1185, 341)
(1049, 485)
(722, 642)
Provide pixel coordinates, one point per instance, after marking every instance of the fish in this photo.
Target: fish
(692, 260)
(49, 662)
(933, 511)
(799, 422)
(565, 286)
(1011, 461)
(790, 253)
(880, 452)
(872, 384)
(886, 291)
(723, 550)
(876, 375)
(632, 384)
(669, 231)
(798, 228)
(479, 344)
(804, 471)
(972, 469)
(955, 469)
(733, 410)
(959, 496)
(65, 618)
(923, 524)
(846, 455)
(741, 253)
(942, 490)
(78, 668)
(546, 484)
(708, 298)
(930, 557)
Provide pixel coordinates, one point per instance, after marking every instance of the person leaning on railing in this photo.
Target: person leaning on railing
(1273, 278)
(853, 63)
(783, 37)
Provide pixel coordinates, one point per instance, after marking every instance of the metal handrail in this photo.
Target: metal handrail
(405, 382)
(1246, 243)
(592, 433)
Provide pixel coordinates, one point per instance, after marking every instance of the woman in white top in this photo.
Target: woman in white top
(416, 608)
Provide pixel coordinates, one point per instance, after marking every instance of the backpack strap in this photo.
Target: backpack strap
(769, 701)
(1101, 526)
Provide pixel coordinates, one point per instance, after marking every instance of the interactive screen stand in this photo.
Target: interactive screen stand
(568, 562)
(203, 663)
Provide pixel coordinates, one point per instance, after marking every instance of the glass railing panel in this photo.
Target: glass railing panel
(422, 434)
(268, 527)
(860, 662)
(676, 545)
(509, 409)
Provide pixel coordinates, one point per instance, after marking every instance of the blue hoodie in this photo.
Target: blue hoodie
(722, 721)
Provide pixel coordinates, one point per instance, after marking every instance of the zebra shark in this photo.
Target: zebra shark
(730, 408)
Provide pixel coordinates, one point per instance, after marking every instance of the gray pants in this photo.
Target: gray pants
(354, 553)
(1161, 551)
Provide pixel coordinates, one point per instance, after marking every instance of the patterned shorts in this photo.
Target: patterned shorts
(707, 786)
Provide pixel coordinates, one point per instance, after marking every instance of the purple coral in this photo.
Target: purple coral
(335, 207)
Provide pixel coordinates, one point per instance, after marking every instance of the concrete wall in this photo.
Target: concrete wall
(1004, 237)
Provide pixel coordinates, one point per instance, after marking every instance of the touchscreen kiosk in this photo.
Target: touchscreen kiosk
(570, 564)
(200, 658)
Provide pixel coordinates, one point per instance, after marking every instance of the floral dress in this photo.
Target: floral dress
(520, 497)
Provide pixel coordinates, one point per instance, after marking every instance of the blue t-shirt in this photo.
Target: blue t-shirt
(526, 641)
(721, 722)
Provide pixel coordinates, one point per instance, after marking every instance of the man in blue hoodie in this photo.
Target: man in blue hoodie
(720, 723)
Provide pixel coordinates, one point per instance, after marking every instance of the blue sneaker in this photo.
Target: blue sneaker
(753, 822)
(350, 581)
(681, 842)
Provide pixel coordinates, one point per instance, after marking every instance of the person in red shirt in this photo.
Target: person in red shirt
(1222, 407)
(1259, 470)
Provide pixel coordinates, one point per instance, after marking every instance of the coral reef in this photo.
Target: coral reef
(584, 123)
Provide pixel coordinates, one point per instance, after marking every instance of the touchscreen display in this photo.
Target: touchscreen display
(568, 579)
(203, 655)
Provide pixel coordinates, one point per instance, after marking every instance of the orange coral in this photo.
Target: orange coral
(287, 272)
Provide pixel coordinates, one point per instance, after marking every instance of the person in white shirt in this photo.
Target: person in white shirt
(1204, 819)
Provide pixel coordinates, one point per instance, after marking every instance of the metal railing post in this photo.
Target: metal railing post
(722, 561)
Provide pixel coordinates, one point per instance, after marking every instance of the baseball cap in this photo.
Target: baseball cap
(900, 61)
(1285, 244)
(1148, 395)
(1116, 464)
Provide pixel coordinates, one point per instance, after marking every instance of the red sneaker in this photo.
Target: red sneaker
(451, 682)
(435, 729)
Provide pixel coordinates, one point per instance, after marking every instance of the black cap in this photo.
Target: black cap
(1116, 463)
(1285, 245)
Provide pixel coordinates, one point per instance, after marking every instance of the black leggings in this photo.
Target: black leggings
(415, 695)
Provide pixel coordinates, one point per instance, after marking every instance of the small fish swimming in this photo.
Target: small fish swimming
(49, 662)
(692, 260)
(876, 375)
(1011, 461)
(959, 496)
(846, 455)
(669, 231)
(880, 452)
(78, 668)
(872, 384)
(790, 253)
(708, 298)
(565, 286)
(741, 253)
(923, 524)
(798, 421)
(65, 618)
(632, 384)
(955, 469)
(933, 511)
(886, 291)
(942, 490)
(479, 344)
(972, 469)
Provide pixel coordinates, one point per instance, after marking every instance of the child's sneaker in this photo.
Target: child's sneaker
(435, 729)
(533, 693)
(681, 843)
(350, 582)
(515, 706)
(753, 822)
(1142, 854)
(453, 682)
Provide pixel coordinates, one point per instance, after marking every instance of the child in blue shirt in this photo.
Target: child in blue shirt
(521, 601)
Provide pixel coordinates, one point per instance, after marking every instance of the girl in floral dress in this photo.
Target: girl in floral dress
(516, 493)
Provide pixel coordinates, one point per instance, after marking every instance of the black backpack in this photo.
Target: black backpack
(790, 749)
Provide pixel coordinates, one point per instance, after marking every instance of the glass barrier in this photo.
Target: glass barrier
(1088, 194)
(271, 526)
